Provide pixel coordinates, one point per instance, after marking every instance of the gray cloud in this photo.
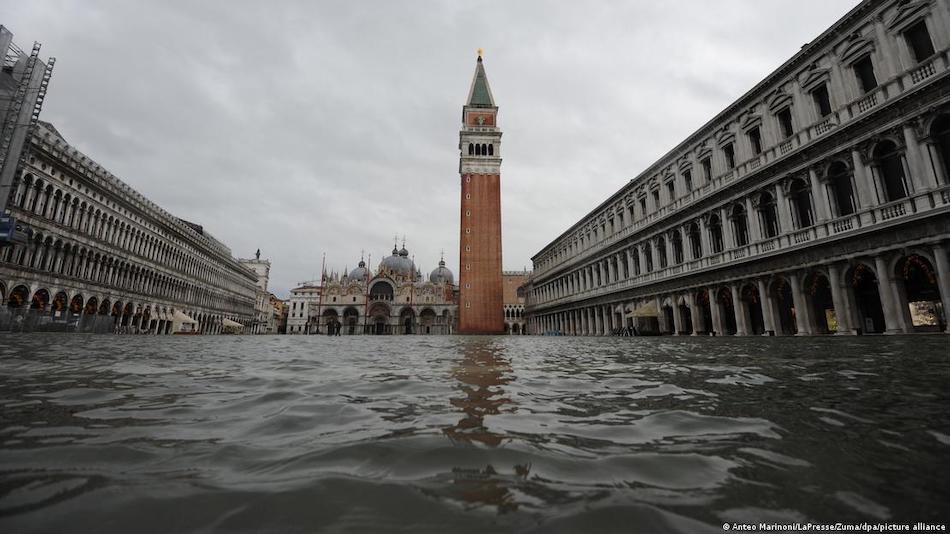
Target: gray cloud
(305, 128)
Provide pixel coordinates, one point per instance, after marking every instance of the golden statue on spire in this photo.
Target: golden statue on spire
(481, 51)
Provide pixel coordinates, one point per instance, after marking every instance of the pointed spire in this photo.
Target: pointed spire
(479, 96)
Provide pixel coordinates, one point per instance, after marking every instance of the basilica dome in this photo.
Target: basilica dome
(360, 273)
(442, 274)
(398, 263)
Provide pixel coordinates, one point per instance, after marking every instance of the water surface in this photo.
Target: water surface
(458, 434)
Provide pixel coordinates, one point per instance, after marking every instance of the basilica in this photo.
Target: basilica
(396, 299)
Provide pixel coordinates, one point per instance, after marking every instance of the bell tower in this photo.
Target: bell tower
(481, 309)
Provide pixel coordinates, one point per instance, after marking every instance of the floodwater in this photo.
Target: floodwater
(469, 434)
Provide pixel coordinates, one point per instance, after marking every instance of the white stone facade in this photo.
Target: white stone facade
(818, 202)
(103, 258)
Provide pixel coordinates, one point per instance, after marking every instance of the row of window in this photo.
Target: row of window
(920, 46)
(32, 195)
(887, 169)
(481, 149)
(74, 261)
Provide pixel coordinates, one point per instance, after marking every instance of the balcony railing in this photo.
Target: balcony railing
(939, 199)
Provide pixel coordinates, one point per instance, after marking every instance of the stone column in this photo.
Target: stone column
(785, 223)
(742, 318)
(641, 252)
(611, 271)
(631, 271)
(608, 320)
(603, 274)
(842, 309)
(863, 181)
(921, 179)
(943, 280)
(715, 312)
(885, 290)
(598, 322)
(696, 316)
(728, 239)
(768, 315)
(677, 320)
(704, 237)
(660, 316)
(801, 313)
(819, 196)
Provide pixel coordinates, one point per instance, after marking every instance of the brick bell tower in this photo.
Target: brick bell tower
(481, 308)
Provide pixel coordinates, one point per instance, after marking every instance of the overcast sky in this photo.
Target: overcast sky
(304, 128)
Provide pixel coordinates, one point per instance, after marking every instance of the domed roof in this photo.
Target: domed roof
(397, 263)
(442, 274)
(360, 272)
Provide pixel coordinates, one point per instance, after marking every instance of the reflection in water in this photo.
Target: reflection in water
(481, 373)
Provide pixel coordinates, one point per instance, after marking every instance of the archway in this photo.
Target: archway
(407, 321)
(381, 291)
(330, 321)
(668, 317)
(753, 303)
(922, 295)
(686, 318)
(427, 321)
(40, 300)
(818, 295)
(128, 313)
(728, 311)
(940, 133)
(379, 319)
(350, 320)
(864, 285)
(890, 169)
(705, 310)
(18, 297)
(58, 306)
(781, 291)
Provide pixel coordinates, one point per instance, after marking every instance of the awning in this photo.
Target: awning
(228, 323)
(180, 317)
(647, 310)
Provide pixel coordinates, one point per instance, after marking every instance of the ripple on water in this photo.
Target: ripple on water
(439, 434)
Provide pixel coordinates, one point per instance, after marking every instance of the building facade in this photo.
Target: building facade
(514, 298)
(265, 315)
(818, 202)
(480, 285)
(396, 299)
(100, 257)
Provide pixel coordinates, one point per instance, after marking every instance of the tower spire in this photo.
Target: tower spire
(479, 95)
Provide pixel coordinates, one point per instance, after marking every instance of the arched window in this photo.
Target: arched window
(478, 150)
(471, 149)
(715, 233)
(800, 195)
(648, 256)
(661, 251)
(940, 132)
(491, 150)
(484, 149)
(740, 225)
(767, 215)
(677, 241)
(890, 168)
(695, 241)
(842, 194)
